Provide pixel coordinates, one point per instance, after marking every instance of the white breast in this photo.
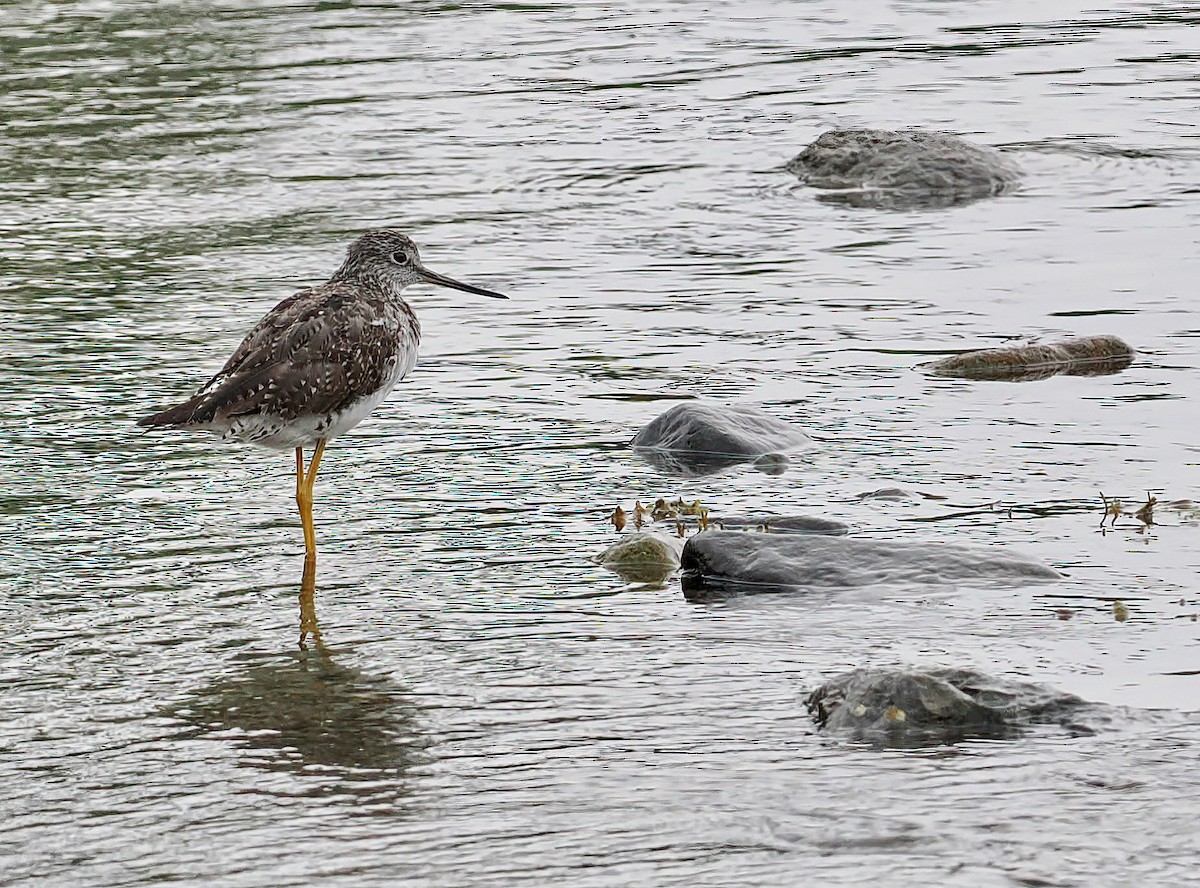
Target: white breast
(305, 431)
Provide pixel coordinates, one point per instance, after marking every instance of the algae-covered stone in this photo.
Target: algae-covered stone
(1082, 356)
(643, 557)
(902, 169)
(888, 494)
(939, 705)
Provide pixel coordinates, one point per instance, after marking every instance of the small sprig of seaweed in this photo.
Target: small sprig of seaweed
(678, 512)
(1113, 509)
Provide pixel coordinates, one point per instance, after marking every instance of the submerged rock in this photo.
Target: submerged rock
(904, 169)
(1082, 356)
(910, 706)
(890, 494)
(772, 463)
(643, 557)
(693, 439)
(782, 524)
(720, 563)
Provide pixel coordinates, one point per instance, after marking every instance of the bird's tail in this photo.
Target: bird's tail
(189, 413)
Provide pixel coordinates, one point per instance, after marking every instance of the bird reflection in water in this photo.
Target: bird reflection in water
(308, 606)
(345, 731)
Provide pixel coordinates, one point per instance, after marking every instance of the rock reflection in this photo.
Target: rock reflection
(311, 716)
(690, 464)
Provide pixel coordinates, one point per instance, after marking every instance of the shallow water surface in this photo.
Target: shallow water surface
(490, 707)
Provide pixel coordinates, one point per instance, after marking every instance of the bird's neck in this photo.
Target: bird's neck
(363, 276)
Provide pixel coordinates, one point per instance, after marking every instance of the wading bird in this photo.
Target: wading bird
(319, 362)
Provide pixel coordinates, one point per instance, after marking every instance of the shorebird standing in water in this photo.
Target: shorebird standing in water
(319, 362)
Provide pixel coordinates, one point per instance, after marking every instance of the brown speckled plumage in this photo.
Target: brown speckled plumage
(323, 358)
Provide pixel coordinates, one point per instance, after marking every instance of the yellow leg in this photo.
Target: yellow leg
(304, 497)
(299, 473)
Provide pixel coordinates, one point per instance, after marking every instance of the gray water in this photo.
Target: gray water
(491, 708)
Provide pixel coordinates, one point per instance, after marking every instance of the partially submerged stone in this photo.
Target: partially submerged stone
(912, 706)
(1082, 356)
(902, 169)
(643, 557)
(720, 563)
(695, 438)
(890, 494)
(769, 523)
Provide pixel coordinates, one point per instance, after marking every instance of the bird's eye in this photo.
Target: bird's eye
(401, 258)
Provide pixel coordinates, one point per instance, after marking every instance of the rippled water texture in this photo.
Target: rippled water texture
(492, 708)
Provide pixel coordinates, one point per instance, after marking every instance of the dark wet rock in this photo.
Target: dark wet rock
(904, 169)
(1083, 356)
(643, 557)
(782, 523)
(694, 438)
(911, 706)
(721, 563)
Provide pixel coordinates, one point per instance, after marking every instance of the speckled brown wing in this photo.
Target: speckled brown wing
(314, 353)
(261, 342)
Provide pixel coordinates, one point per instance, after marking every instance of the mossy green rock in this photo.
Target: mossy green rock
(643, 557)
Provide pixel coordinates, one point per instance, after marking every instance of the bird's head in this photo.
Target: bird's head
(392, 259)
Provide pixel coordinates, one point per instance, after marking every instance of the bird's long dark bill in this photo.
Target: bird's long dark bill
(434, 278)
